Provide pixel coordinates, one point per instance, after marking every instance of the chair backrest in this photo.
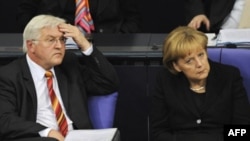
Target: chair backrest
(214, 54)
(238, 57)
(102, 110)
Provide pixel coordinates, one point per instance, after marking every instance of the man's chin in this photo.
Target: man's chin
(57, 62)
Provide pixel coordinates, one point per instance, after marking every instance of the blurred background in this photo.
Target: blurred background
(158, 16)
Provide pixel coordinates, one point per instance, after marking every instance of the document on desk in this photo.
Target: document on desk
(239, 37)
(211, 39)
(71, 44)
(91, 135)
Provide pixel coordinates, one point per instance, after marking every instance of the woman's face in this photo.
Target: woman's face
(194, 65)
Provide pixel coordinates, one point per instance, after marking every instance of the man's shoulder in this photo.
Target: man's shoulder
(13, 65)
(12, 69)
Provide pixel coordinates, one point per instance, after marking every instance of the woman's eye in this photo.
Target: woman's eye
(188, 61)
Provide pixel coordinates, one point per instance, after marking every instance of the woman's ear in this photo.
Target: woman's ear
(176, 67)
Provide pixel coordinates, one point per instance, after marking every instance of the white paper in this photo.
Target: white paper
(91, 135)
(234, 36)
(71, 44)
(211, 39)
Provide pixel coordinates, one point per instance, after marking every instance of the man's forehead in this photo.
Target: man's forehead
(51, 32)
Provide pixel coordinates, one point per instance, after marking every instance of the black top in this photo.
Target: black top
(198, 98)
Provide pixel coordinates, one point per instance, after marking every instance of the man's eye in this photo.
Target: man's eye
(62, 40)
(51, 40)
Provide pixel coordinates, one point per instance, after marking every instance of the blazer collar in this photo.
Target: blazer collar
(28, 81)
(30, 86)
(213, 87)
(184, 95)
(63, 86)
(213, 90)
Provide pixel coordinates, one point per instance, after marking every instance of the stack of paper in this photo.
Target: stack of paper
(71, 44)
(91, 135)
(211, 39)
(239, 37)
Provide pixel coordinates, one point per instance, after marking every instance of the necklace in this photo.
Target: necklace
(197, 89)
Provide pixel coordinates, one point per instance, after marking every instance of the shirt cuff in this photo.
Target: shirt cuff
(45, 132)
(88, 51)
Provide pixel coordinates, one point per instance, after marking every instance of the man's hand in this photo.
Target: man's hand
(56, 134)
(76, 34)
(198, 20)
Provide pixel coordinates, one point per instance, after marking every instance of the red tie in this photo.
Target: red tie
(61, 120)
(83, 18)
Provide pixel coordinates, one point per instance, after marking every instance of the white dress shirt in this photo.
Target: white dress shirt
(45, 113)
(233, 19)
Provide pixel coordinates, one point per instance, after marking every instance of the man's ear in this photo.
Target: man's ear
(30, 46)
(176, 67)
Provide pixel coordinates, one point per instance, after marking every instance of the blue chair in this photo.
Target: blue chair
(240, 58)
(102, 110)
(214, 54)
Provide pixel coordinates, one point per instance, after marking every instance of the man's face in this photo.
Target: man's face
(49, 49)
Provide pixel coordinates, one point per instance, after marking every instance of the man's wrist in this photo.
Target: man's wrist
(45, 132)
(88, 51)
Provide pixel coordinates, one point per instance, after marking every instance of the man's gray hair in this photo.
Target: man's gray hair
(33, 29)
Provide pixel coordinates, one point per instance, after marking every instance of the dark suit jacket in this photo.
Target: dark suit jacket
(18, 101)
(110, 16)
(216, 11)
(175, 117)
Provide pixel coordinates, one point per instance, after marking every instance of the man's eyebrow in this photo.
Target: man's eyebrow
(51, 36)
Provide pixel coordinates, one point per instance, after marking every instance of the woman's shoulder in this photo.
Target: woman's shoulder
(165, 75)
(224, 69)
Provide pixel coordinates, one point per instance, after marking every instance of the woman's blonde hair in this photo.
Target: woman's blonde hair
(179, 43)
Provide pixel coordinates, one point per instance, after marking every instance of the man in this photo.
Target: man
(25, 108)
(109, 16)
(212, 15)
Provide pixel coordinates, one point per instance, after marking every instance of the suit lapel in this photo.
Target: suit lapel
(28, 82)
(63, 87)
(213, 89)
(184, 95)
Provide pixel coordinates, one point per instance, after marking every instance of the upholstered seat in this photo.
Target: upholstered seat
(239, 57)
(102, 110)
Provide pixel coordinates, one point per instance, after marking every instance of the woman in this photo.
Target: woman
(195, 97)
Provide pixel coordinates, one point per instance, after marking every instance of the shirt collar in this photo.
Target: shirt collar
(36, 70)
